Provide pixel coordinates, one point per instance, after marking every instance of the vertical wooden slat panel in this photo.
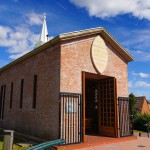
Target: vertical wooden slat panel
(120, 114)
(124, 113)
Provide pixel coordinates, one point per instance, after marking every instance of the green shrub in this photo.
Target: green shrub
(140, 121)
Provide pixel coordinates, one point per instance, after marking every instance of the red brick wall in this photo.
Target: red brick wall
(44, 120)
(75, 58)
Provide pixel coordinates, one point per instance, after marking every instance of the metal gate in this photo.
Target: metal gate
(71, 117)
(124, 116)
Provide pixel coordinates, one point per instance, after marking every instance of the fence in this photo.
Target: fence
(124, 116)
(71, 117)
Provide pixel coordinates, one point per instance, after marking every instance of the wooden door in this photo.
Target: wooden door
(107, 107)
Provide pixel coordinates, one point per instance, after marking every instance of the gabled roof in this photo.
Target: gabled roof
(139, 102)
(74, 35)
(106, 35)
(148, 102)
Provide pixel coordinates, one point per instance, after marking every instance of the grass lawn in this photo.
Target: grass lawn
(139, 131)
(15, 147)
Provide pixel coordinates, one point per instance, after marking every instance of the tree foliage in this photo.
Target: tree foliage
(141, 121)
(132, 103)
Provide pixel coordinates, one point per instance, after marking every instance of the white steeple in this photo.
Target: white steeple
(44, 33)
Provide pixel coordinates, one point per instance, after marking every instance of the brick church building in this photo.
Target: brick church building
(73, 85)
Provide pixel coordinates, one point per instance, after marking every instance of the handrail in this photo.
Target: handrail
(47, 144)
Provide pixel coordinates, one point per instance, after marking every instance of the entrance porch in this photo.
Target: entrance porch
(100, 103)
(97, 113)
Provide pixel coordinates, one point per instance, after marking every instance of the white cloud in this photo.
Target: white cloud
(141, 74)
(137, 40)
(139, 86)
(141, 92)
(141, 55)
(142, 84)
(130, 84)
(34, 18)
(19, 40)
(5, 36)
(144, 75)
(111, 8)
(15, 56)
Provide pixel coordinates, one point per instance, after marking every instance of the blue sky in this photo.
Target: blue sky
(127, 21)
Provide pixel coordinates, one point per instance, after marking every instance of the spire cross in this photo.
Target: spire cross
(44, 15)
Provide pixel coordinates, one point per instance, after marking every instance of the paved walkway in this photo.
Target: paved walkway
(141, 143)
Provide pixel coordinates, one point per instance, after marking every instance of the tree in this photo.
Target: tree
(142, 122)
(132, 103)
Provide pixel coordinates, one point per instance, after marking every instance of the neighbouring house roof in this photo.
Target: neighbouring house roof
(73, 35)
(140, 102)
(148, 102)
